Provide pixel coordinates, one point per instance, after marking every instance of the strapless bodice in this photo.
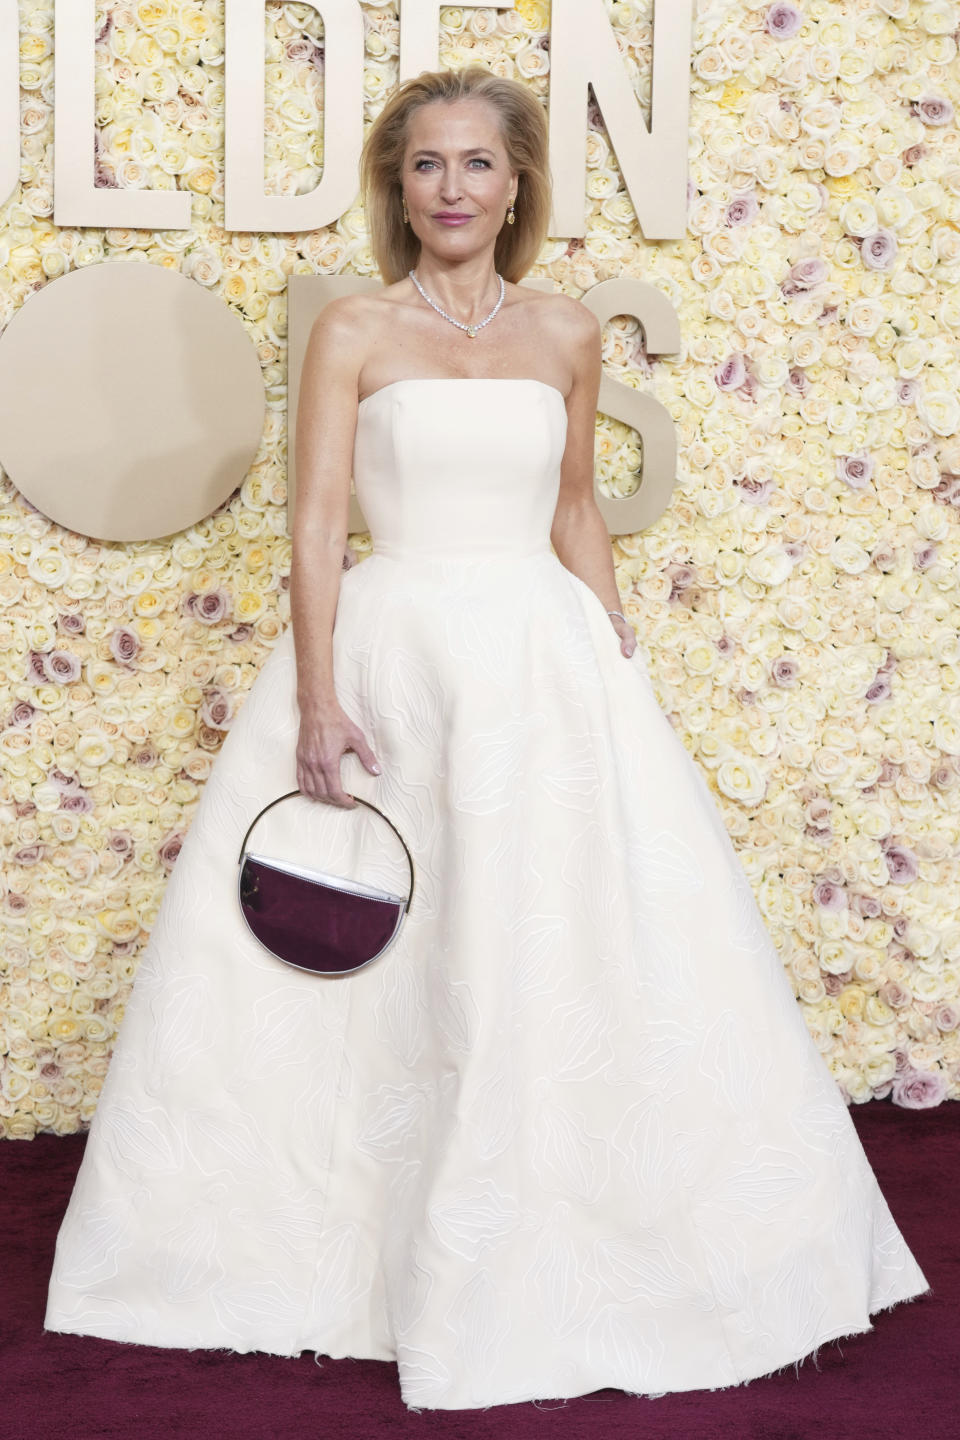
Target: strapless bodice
(458, 466)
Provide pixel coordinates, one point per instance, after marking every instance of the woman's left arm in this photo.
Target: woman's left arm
(579, 532)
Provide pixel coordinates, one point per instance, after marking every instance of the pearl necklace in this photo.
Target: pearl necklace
(470, 329)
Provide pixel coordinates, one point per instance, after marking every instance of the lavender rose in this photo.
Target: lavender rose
(169, 849)
(755, 492)
(732, 373)
(933, 109)
(895, 995)
(783, 21)
(741, 210)
(21, 714)
(60, 780)
(878, 251)
(947, 489)
(829, 896)
(879, 689)
(78, 802)
(918, 1089)
(903, 868)
(209, 608)
(124, 644)
(807, 273)
(62, 667)
(784, 672)
(855, 470)
(947, 1015)
(217, 709)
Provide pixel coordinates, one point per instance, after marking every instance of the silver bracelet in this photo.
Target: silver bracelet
(620, 613)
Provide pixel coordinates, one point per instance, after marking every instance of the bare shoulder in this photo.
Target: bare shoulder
(561, 320)
(350, 328)
(350, 317)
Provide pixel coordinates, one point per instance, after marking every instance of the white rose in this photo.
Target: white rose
(858, 217)
(770, 566)
(741, 779)
(865, 316)
(940, 409)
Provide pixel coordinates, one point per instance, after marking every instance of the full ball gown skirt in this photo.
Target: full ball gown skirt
(571, 1130)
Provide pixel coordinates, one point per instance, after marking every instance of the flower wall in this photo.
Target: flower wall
(798, 602)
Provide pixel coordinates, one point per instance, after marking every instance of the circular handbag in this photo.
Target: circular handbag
(327, 924)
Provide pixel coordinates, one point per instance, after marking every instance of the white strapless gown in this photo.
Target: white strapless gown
(571, 1131)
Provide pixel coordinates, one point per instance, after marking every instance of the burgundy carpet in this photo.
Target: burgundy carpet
(900, 1380)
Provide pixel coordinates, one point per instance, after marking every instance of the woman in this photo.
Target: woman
(571, 1132)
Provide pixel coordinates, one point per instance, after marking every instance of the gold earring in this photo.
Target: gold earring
(406, 213)
(510, 214)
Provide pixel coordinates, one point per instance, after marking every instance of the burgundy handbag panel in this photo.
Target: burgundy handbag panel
(314, 926)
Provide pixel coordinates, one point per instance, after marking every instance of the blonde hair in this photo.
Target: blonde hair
(524, 130)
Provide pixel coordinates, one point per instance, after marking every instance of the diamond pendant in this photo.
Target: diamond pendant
(472, 331)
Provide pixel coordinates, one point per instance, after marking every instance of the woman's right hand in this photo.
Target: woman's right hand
(324, 736)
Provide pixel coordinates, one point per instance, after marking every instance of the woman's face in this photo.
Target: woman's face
(455, 165)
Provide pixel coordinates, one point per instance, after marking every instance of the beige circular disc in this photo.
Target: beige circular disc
(131, 401)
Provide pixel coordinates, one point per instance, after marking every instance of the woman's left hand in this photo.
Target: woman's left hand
(628, 640)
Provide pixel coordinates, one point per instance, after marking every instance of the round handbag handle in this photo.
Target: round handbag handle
(370, 806)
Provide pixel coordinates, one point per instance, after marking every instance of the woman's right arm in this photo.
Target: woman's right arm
(326, 426)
